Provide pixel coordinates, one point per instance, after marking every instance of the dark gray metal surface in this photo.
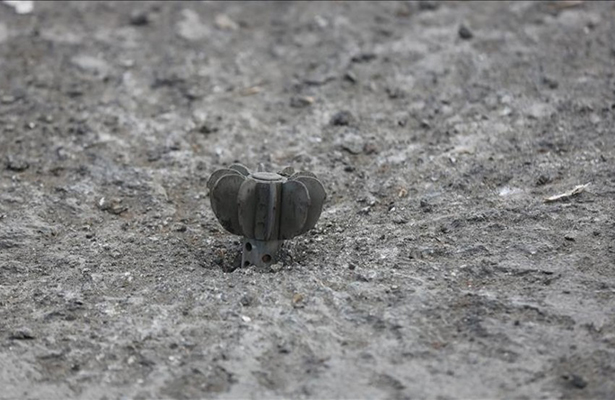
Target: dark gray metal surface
(266, 208)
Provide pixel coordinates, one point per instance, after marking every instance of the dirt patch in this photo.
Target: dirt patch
(437, 269)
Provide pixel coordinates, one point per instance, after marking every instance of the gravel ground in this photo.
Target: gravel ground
(437, 269)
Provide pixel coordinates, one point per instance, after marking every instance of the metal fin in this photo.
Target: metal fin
(267, 211)
(259, 203)
(295, 204)
(219, 174)
(317, 198)
(247, 207)
(224, 201)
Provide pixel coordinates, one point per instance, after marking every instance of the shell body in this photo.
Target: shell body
(265, 207)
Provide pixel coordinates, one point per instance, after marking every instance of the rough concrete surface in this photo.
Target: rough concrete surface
(437, 269)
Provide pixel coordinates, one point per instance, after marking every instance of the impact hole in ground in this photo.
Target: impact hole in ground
(266, 258)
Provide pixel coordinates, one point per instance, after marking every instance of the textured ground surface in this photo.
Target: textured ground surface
(437, 270)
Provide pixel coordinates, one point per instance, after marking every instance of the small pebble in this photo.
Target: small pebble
(350, 77)
(426, 5)
(22, 334)
(576, 381)
(342, 118)
(352, 143)
(246, 300)
(207, 128)
(400, 220)
(112, 206)
(297, 299)
(543, 180)
(465, 33)
(301, 101)
(425, 206)
(224, 22)
(363, 57)
(550, 82)
(8, 99)
(139, 18)
(17, 165)
(276, 267)
(425, 124)
(395, 93)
